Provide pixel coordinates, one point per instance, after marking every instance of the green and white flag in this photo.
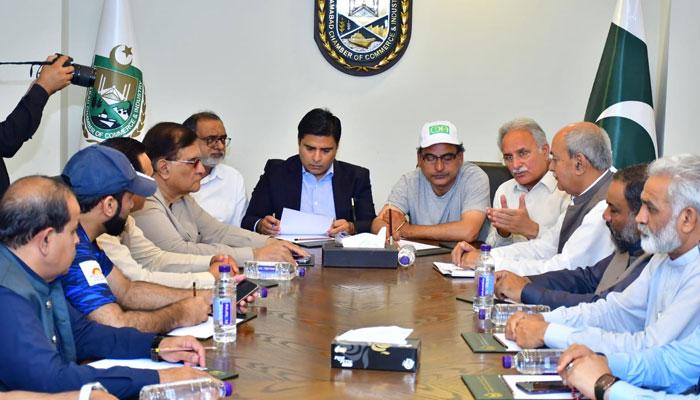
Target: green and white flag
(116, 104)
(621, 101)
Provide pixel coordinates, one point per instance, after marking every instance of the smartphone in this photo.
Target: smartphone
(543, 387)
(245, 289)
(221, 375)
(304, 260)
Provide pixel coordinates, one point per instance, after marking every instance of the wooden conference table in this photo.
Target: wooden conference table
(284, 353)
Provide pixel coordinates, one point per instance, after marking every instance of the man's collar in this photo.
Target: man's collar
(215, 173)
(592, 184)
(329, 171)
(26, 267)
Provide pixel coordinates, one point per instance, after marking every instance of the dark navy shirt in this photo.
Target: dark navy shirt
(30, 361)
(85, 283)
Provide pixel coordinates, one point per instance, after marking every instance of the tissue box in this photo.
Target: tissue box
(366, 355)
(335, 255)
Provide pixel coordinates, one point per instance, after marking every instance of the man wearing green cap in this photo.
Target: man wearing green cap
(445, 199)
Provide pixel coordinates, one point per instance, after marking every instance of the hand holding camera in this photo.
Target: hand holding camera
(61, 72)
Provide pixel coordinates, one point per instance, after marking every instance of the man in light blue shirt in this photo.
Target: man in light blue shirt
(671, 368)
(662, 305)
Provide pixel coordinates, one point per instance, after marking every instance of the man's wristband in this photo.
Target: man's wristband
(87, 388)
(155, 354)
(602, 384)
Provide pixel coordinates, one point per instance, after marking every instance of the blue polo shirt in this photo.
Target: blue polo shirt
(85, 284)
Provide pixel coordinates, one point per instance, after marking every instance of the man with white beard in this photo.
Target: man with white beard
(222, 190)
(662, 305)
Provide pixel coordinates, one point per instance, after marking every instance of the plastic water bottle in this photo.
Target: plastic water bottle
(407, 255)
(225, 306)
(484, 280)
(534, 362)
(192, 389)
(501, 312)
(272, 270)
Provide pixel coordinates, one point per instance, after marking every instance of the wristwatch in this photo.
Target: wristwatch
(602, 384)
(155, 354)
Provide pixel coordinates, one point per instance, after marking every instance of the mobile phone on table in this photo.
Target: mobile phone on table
(543, 387)
(304, 260)
(245, 289)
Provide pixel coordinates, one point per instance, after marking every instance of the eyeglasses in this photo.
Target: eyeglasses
(193, 162)
(521, 155)
(432, 158)
(213, 140)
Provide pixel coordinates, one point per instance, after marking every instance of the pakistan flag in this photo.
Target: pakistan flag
(621, 100)
(116, 104)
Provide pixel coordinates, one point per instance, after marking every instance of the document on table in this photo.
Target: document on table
(453, 270)
(510, 345)
(296, 223)
(205, 330)
(511, 381)
(140, 363)
(418, 246)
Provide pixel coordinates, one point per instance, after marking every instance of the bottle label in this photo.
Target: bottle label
(485, 285)
(222, 311)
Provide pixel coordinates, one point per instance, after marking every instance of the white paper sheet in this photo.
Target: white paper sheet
(205, 330)
(511, 380)
(297, 238)
(453, 270)
(511, 346)
(416, 245)
(140, 363)
(377, 334)
(297, 222)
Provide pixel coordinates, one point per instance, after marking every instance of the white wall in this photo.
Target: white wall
(256, 64)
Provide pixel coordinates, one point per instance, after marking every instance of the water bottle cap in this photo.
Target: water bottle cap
(507, 362)
(302, 271)
(224, 268)
(404, 260)
(485, 247)
(263, 292)
(228, 387)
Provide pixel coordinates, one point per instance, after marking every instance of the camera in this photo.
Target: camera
(82, 75)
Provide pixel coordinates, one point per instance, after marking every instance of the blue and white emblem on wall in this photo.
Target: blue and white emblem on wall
(362, 37)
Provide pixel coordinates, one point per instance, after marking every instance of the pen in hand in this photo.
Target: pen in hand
(194, 289)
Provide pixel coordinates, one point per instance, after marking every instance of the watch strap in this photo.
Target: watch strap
(602, 384)
(155, 354)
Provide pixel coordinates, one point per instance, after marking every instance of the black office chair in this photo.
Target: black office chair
(497, 173)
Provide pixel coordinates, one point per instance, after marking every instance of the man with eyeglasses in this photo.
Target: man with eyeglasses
(526, 205)
(222, 191)
(581, 161)
(445, 199)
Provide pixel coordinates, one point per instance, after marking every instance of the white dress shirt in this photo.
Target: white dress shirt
(660, 306)
(544, 203)
(140, 260)
(590, 243)
(222, 195)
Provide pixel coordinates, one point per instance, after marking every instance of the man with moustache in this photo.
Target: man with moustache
(222, 190)
(525, 206)
(662, 304)
(445, 198)
(581, 161)
(612, 274)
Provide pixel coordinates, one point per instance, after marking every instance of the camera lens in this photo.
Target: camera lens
(83, 75)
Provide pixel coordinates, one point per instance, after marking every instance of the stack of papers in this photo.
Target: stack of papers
(510, 345)
(416, 245)
(205, 330)
(377, 334)
(139, 363)
(295, 222)
(453, 270)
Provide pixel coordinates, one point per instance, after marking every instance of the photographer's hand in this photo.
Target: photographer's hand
(55, 77)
